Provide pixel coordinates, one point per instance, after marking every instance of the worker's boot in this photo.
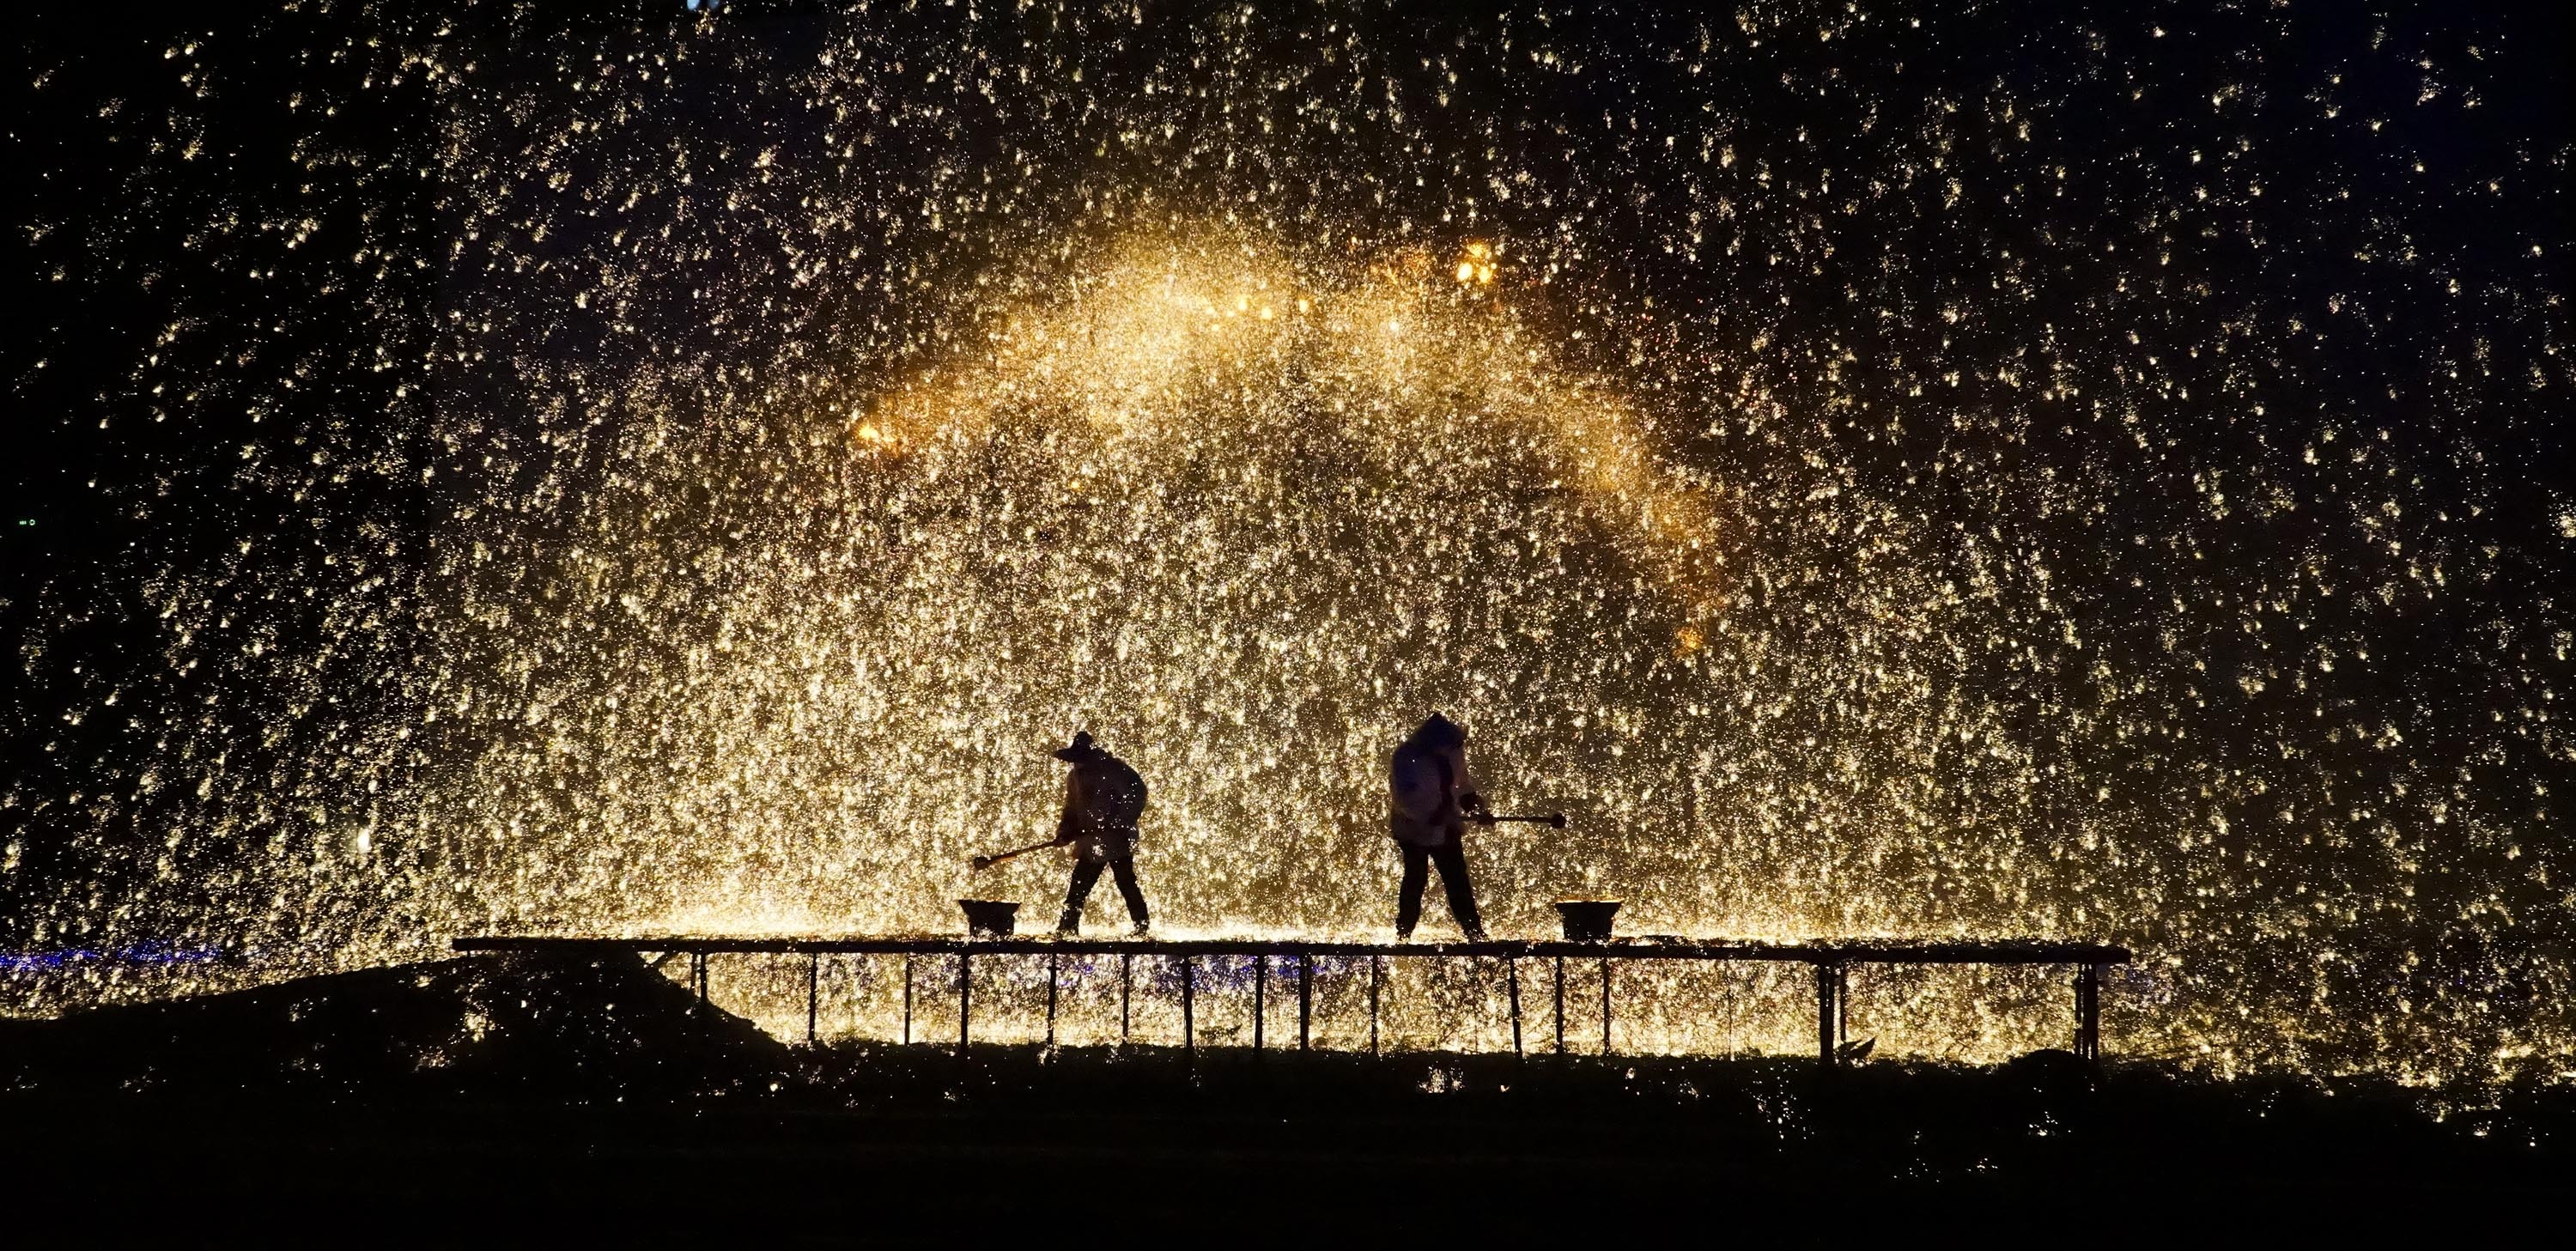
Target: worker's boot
(1070, 924)
(1144, 928)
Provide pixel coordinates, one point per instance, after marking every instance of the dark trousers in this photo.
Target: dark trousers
(1452, 859)
(1086, 871)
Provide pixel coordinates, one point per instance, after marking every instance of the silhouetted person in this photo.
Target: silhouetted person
(1102, 800)
(1429, 794)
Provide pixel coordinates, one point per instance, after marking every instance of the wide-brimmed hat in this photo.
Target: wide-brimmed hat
(1079, 750)
(1440, 731)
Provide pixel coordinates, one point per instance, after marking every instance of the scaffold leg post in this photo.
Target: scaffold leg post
(1051, 978)
(1605, 1005)
(1827, 974)
(1377, 970)
(2088, 1011)
(1305, 1002)
(1560, 1005)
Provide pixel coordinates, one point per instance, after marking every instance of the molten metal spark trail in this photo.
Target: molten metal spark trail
(1877, 471)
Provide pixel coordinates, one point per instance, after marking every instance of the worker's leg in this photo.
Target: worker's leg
(1452, 859)
(1123, 870)
(1408, 898)
(1085, 872)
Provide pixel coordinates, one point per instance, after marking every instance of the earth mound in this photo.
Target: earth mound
(487, 1025)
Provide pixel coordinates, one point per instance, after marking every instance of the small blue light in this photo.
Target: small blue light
(147, 953)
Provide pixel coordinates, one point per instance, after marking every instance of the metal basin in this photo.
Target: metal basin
(990, 918)
(1587, 920)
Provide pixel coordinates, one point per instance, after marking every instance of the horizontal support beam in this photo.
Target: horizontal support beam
(1858, 951)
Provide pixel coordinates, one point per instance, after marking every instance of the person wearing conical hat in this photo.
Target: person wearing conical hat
(1103, 798)
(1429, 795)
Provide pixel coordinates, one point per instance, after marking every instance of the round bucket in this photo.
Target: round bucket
(990, 918)
(1587, 920)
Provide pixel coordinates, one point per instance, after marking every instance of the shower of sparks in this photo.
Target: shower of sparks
(1878, 470)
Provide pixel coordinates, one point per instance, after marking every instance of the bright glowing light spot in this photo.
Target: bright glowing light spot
(1476, 264)
(868, 434)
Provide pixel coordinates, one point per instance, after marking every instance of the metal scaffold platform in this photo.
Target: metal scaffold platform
(1830, 961)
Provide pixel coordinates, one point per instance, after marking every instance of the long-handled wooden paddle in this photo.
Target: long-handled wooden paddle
(981, 863)
(1553, 820)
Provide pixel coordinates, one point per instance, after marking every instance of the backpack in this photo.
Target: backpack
(1117, 793)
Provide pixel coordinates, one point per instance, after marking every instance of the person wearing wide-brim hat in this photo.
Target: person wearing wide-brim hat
(1429, 794)
(1103, 798)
